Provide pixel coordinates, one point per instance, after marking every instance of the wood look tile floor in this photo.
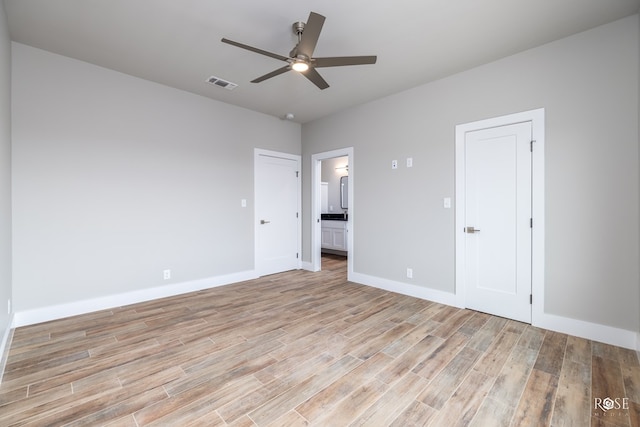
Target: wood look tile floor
(301, 348)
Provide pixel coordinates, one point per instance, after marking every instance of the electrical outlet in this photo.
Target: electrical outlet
(409, 162)
(409, 273)
(166, 274)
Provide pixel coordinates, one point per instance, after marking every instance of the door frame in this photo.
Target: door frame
(536, 117)
(316, 207)
(257, 152)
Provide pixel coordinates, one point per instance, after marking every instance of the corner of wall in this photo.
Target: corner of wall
(6, 318)
(5, 345)
(638, 336)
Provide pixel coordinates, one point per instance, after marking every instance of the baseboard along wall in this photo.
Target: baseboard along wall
(593, 331)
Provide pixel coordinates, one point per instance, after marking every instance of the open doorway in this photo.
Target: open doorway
(332, 206)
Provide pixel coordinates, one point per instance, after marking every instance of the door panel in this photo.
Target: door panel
(277, 219)
(498, 207)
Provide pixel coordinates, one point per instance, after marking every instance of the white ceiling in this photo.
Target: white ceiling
(177, 42)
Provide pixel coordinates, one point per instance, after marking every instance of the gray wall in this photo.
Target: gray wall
(588, 84)
(116, 179)
(5, 172)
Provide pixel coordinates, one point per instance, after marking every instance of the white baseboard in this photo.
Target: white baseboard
(307, 266)
(5, 344)
(579, 328)
(592, 331)
(45, 314)
(405, 289)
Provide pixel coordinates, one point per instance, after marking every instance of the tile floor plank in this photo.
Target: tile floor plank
(319, 404)
(551, 353)
(536, 404)
(461, 408)
(392, 403)
(493, 413)
(573, 399)
(441, 356)
(415, 415)
(447, 381)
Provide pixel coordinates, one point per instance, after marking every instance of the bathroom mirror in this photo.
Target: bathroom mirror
(344, 192)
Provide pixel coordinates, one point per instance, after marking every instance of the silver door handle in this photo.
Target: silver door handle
(471, 230)
(262, 221)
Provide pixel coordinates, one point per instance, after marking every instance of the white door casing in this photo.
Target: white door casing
(316, 203)
(277, 212)
(500, 192)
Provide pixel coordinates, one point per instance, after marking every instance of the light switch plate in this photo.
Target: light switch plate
(409, 162)
(394, 164)
(447, 202)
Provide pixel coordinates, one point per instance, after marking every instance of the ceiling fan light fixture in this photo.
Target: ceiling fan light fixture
(300, 66)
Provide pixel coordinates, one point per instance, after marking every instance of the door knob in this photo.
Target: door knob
(471, 230)
(262, 221)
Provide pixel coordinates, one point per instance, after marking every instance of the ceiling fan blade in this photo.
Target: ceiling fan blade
(310, 34)
(338, 61)
(315, 78)
(271, 74)
(255, 49)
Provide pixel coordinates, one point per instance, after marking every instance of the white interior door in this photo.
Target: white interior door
(277, 198)
(498, 220)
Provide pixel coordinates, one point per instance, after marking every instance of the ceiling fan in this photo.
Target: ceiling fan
(301, 57)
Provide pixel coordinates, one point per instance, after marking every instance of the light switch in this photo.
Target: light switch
(394, 164)
(243, 203)
(409, 162)
(447, 202)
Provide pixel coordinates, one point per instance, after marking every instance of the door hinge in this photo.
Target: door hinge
(296, 214)
(297, 172)
(296, 255)
(530, 222)
(531, 145)
(530, 298)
